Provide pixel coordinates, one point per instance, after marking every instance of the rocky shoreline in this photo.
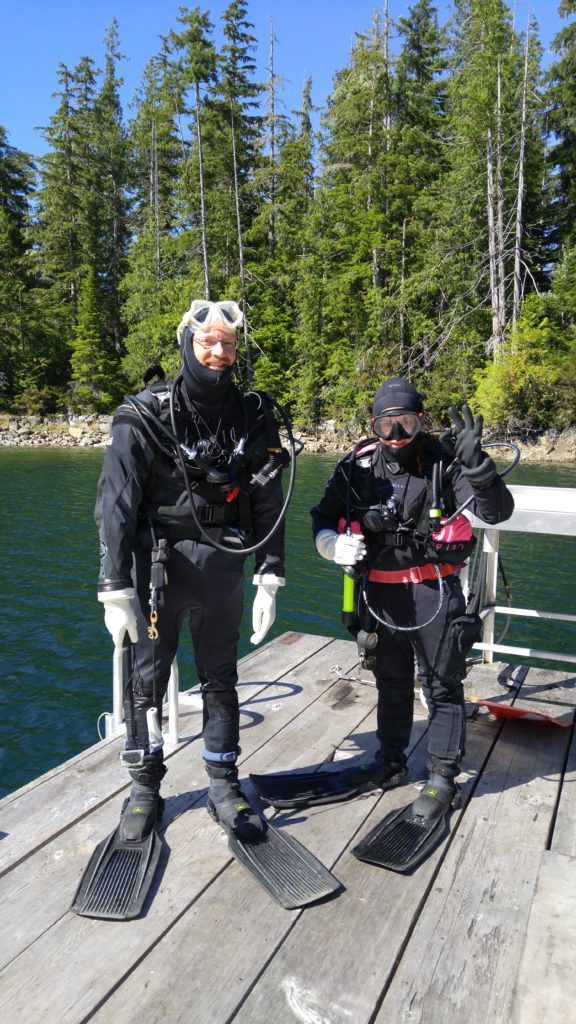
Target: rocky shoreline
(92, 432)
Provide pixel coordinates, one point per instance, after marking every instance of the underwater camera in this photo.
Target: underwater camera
(384, 518)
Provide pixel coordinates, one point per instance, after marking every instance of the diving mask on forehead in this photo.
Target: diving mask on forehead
(202, 314)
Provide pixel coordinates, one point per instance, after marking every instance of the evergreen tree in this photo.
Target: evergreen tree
(470, 265)
(112, 183)
(274, 303)
(163, 268)
(94, 385)
(236, 131)
(16, 183)
(356, 241)
(561, 99)
(196, 69)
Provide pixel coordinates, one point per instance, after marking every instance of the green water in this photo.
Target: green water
(57, 655)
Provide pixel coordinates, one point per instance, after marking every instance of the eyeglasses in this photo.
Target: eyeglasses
(384, 425)
(201, 311)
(228, 346)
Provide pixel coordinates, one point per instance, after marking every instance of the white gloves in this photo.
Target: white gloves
(264, 607)
(119, 614)
(342, 548)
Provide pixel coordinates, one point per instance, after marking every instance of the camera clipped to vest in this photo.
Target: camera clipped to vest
(384, 518)
(213, 460)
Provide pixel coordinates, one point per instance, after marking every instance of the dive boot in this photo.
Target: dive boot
(121, 870)
(305, 789)
(288, 872)
(228, 805)
(407, 836)
(140, 814)
(440, 794)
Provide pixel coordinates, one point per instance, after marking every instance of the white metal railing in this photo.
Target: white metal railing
(550, 510)
(115, 723)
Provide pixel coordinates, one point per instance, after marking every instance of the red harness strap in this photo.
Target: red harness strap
(415, 574)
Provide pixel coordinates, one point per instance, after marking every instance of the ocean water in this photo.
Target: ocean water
(56, 654)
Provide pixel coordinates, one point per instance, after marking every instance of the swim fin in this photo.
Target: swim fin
(304, 789)
(292, 875)
(407, 836)
(118, 877)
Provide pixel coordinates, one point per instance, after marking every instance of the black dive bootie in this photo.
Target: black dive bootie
(440, 794)
(228, 805)
(143, 808)
(140, 813)
(388, 773)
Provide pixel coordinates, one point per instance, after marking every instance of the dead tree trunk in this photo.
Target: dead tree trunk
(248, 354)
(518, 290)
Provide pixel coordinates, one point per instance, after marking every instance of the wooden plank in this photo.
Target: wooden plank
(481, 683)
(334, 963)
(259, 963)
(463, 955)
(550, 686)
(546, 986)
(48, 867)
(244, 924)
(564, 835)
(85, 782)
(72, 945)
(550, 693)
(543, 692)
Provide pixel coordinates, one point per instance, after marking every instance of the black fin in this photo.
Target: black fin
(402, 840)
(118, 877)
(304, 789)
(292, 875)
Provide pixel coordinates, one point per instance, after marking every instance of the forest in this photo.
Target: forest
(424, 227)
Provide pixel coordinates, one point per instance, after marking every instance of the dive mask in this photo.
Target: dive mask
(396, 426)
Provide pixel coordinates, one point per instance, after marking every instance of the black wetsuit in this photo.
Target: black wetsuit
(376, 477)
(143, 497)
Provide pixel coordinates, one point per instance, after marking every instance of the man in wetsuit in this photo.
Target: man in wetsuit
(191, 477)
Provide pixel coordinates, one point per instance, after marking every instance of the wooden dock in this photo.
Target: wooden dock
(484, 931)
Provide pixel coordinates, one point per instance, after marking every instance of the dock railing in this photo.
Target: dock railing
(550, 510)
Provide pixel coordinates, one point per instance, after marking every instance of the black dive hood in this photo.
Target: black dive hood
(205, 387)
(401, 456)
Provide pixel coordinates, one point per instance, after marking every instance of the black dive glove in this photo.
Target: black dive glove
(464, 439)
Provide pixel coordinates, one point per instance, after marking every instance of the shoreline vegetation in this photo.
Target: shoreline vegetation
(91, 431)
(419, 220)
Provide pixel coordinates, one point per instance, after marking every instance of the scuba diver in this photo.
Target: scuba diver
(392, 516)
(192, 484)
(149, 523)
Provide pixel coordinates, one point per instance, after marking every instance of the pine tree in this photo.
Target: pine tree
(196, 69)
(470, 264)
(16, 184)
(561, 98)
(236, 96)
(273, 274)
(163, 266)
(94, 385)
(112, 183)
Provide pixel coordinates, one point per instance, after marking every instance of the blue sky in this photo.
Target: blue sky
(314, 38)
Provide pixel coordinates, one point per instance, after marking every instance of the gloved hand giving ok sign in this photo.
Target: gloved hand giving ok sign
(464, 439)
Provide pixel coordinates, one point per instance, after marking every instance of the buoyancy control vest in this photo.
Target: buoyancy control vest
(392, 512)
(218, 467)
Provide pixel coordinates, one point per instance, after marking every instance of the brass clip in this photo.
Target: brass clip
(152, 631)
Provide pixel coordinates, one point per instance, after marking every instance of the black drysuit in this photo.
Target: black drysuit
(441, 660)
(143, 496)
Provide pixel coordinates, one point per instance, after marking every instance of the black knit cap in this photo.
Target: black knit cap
(394, 395)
